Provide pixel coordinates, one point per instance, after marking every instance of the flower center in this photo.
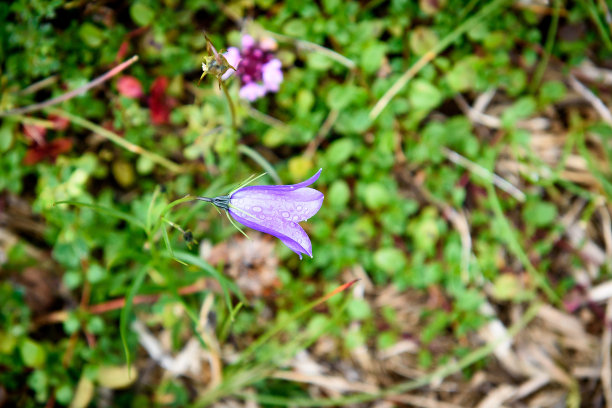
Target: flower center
(251, 65)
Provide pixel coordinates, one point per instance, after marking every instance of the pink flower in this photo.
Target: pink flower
(129, 86)
(258, 70)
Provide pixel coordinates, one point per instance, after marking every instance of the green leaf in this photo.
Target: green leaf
(539, 213)
(141, 14)
(372, 56)
(552, 91)
(463, 75)
(91, 35)
(296, 28)
(521, 109)
(96, 273)
(32, 353)
(423, 39)
(390, 260)
(341, 96)
(359, 309)
(339, 151)
(338, 194)
(6, 136)
(376, 196)
(423, 95)
(63, 394)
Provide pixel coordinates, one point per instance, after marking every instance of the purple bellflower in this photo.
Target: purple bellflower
(258, 70)
(275, 210)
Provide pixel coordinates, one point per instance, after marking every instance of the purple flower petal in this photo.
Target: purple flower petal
(272, 75)
(232, 55)
(289, 232)
(247, 41)
(297, 205)
(276, 210)
(252, 91)
(288, 187)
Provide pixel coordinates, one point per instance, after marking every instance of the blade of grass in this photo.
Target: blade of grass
(150, 209)
(259, 159)
(509, 235)
(601, 27)
(591, 164)
(550, 42)
(107, 211)
(228, 322)
(226, 284)
(127, 309)
(467, 25)
(170, 206)
(115, 138)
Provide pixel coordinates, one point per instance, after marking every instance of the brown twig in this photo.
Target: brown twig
(114, 304)
(71, 94)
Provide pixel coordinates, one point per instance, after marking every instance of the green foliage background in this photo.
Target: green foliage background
(389, 186)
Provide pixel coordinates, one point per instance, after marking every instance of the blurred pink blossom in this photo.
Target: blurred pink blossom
(258, 70)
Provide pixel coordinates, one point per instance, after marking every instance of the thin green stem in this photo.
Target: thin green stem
(509, 235)
(231, 104)
(150, 209)
(169, 206)
(550, 42)
(603, 33)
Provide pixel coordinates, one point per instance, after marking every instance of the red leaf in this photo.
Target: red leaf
(51, 150)
(59, 122)
(129, 86)
(159, 104)
(35, 133)
(123, 49)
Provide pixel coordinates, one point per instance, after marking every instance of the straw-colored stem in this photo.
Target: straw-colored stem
(115, 138)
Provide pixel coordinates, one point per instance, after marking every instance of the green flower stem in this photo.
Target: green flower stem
(550, 42)
(115, 138)
(231, 104)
